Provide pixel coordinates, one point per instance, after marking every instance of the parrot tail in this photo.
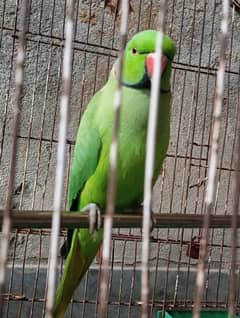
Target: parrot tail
(65, 248)
(77, 264)
(70, 280)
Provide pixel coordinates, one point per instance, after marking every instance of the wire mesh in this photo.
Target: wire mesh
(195, 26)
(64, 106)
(111, 192)
(154, 109)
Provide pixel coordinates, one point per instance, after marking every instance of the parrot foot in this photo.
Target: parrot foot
(152, 222)
(94, 216)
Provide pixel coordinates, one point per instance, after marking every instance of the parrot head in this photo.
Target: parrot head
(139, 59)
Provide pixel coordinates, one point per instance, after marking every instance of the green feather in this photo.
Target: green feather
(90, 167)
(145, 43)
(86, 153)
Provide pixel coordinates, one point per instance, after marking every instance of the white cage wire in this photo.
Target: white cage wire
(180, 189)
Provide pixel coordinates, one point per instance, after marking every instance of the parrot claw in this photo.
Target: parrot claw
(94, 216)
(152, 222)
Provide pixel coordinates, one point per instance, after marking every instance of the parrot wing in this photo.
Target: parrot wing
(86, 153)
(85, 160)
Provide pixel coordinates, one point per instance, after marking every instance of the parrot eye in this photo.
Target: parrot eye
(134, 51)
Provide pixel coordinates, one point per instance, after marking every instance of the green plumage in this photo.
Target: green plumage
(89, 173)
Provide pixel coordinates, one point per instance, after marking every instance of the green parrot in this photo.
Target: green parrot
(89, 172)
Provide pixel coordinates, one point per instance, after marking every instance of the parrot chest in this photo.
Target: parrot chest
(132, 148)
(131, 151)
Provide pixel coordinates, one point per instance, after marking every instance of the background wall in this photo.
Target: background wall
(194, 25)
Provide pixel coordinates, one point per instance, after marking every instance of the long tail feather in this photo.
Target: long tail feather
(70, 280)
(77, 263)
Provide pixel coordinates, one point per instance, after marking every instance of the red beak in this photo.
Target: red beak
(150, 63)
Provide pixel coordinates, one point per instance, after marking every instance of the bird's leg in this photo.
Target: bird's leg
(94, 224)
(99, 255)
(152, 222)
(94, 216)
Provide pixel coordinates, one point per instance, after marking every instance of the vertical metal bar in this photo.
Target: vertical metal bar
(111, 194)
(64, 104)
(221, 163)
(154, 293)
(36, 70)
(88, 26)
(44, 108)
(39, 149)
(110, 285)
(134, 265)
(191, 133)
(2, 23)
(211, 187)
(9, 78)
(178, 128)
(121, 278)
(179, 124)
(10, 285)
(51, 137)
(139, 16)
(6, 226)
(150, 15)
(149, 164)
(22, 275)
(233, 276)
(37, 274)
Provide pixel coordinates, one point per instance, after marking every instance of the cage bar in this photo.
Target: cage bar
(233, 277)
(179, 192)
(65, 100)
(211, 188)
(40, 219)
(149, 165)
(111, 193)
(6, 225)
